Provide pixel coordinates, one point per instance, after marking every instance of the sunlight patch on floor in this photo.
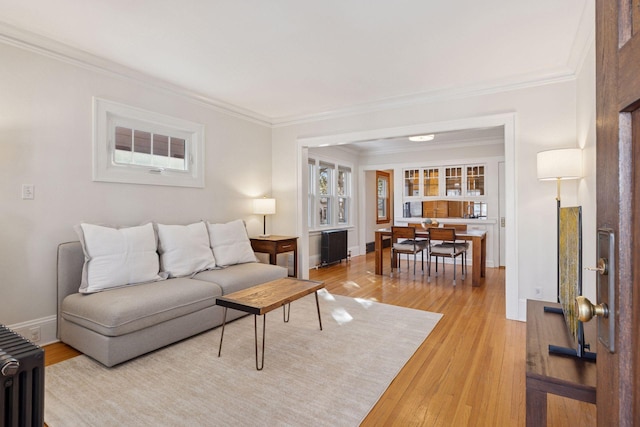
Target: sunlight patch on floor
(341, 316)
(326, 295)
(350, 284)
(366, 303)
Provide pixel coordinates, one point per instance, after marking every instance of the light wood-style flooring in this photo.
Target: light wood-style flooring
(469, 372)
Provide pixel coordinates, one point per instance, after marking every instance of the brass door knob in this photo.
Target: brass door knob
(585, 310)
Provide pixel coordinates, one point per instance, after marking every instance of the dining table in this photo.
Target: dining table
(478, 239)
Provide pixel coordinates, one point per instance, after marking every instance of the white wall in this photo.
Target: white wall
(45, 140)
(545, 119)
(586, 124)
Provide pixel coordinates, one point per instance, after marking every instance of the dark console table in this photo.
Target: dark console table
(274, 245)
(550, 373)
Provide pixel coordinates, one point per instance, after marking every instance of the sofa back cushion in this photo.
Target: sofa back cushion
(230, 243)
(184, 249)
(117, 257)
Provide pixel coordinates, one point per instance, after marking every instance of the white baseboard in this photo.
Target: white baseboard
(39, 331)
(354, 251)
(316, 260)
(522, 310)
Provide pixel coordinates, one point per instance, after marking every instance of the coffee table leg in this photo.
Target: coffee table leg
(286, 312)
(318, 307)
(255, 328)
(222, 333)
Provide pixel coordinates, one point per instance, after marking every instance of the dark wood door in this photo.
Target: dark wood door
(618, 198)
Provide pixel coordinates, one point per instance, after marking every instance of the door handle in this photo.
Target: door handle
(604, 309)
(586, 310)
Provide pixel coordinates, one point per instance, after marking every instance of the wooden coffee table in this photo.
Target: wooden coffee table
(261, 299)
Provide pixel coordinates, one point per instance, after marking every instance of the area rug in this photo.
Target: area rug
(311, 377)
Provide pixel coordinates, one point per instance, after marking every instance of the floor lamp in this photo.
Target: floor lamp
(264, 207)
(559, 165)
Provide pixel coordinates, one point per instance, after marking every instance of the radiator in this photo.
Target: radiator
(333, 246)
(21, 381)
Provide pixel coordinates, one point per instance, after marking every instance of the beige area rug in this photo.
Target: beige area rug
(331, 377)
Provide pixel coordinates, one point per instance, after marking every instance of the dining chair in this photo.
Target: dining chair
(460, 228)
(447, 248)
(410, 245)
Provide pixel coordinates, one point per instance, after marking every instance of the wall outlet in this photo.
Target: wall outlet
(538, 292)
(35, 334)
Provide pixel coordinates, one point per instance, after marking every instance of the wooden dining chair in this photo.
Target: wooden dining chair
(447, 248)
(403, 241)
(460, 228)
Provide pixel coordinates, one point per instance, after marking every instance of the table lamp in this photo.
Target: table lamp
(264, 207)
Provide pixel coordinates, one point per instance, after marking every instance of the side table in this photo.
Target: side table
(551, 373)
(274, 245)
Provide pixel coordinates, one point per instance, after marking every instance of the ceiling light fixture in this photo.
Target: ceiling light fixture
(421, 138)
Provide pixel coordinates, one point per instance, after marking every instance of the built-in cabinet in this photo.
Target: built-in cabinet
(475, 180)
(461, 192)
(412, 183)
(453, 181)
(445, 181)
(456, 191)
(435, 208)
(431, 182)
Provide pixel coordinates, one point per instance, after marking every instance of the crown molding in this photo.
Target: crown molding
(32, 42)
(585, 38)
(517, 83)
(50, 48)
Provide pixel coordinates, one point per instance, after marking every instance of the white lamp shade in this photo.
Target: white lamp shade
(264, 206)
(565, 163)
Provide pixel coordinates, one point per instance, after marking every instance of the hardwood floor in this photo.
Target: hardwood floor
(469, 372)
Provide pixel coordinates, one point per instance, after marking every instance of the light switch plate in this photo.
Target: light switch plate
(28, 191)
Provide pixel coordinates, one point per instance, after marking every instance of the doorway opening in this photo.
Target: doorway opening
(506, 125)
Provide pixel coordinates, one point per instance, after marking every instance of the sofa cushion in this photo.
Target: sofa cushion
(237, 277)
(230, 243)
(184, 249)
(117, 257)
(124, 310)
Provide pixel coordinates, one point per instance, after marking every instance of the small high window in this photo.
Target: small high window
(142, 147)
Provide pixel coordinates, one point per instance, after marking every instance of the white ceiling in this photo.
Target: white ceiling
(285, 59)
(459, 138)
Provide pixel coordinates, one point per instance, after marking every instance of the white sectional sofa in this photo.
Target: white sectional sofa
(104, 316)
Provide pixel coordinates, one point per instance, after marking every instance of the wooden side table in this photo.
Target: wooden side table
(274, 245)
(550, 373)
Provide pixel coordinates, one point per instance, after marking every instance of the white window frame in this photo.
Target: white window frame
(314, 163)
(330, 195)
(346, 196)
(108, 114)
(313, 184)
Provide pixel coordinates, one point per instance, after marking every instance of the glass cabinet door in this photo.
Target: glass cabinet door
(431, 182)
(453, 181)
(475, 181)
(412, 182)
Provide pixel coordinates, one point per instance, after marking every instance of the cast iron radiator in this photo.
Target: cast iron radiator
(333, 246)
(21, 381)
